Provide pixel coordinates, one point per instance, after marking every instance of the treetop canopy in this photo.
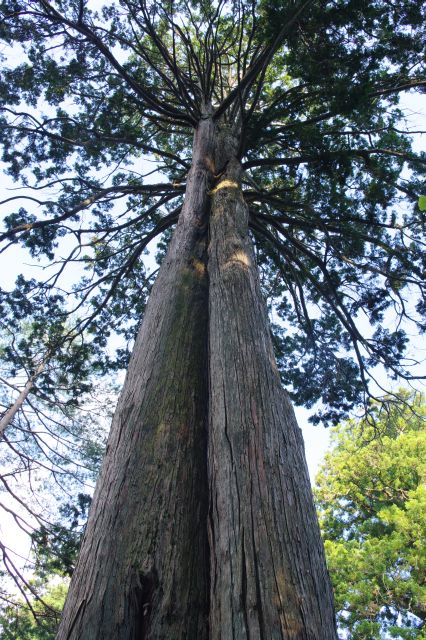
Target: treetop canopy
(310, 92)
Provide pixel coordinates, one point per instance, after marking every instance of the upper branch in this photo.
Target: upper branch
(143, 92)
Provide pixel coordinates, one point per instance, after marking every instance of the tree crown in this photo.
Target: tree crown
(310, 92)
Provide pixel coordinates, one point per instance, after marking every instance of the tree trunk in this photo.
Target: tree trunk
(268, 575)
(143, 571)
(143, 566)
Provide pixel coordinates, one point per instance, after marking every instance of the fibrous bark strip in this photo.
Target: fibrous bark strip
(268, 575)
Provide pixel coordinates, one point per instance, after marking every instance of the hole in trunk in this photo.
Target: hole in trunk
(143, 593)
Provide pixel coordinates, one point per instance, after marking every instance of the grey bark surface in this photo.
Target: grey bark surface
(143, 566)
(268, 575)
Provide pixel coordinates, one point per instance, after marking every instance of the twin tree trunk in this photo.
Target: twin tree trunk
(202, 524)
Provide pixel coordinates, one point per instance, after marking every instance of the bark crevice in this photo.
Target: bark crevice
(144, 590)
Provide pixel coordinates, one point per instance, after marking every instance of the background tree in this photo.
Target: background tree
(53, 556)
(40, 622)
(279, 122)
(51, 450)
(371, 501)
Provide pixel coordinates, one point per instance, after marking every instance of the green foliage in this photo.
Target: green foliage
(422, 203)
(31, 619)
(56, 545)
(371, 499)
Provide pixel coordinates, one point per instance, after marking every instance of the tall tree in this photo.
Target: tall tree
(371, 498)
(274, 122)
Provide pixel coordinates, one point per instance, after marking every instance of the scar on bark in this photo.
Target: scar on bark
(145, 585)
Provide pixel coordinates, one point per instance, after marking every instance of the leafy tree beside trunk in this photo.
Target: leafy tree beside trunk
(371, 500)
(278, 150)
(18, 621)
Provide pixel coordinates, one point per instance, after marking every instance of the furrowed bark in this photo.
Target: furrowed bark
(143, 567)
(268, 575)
